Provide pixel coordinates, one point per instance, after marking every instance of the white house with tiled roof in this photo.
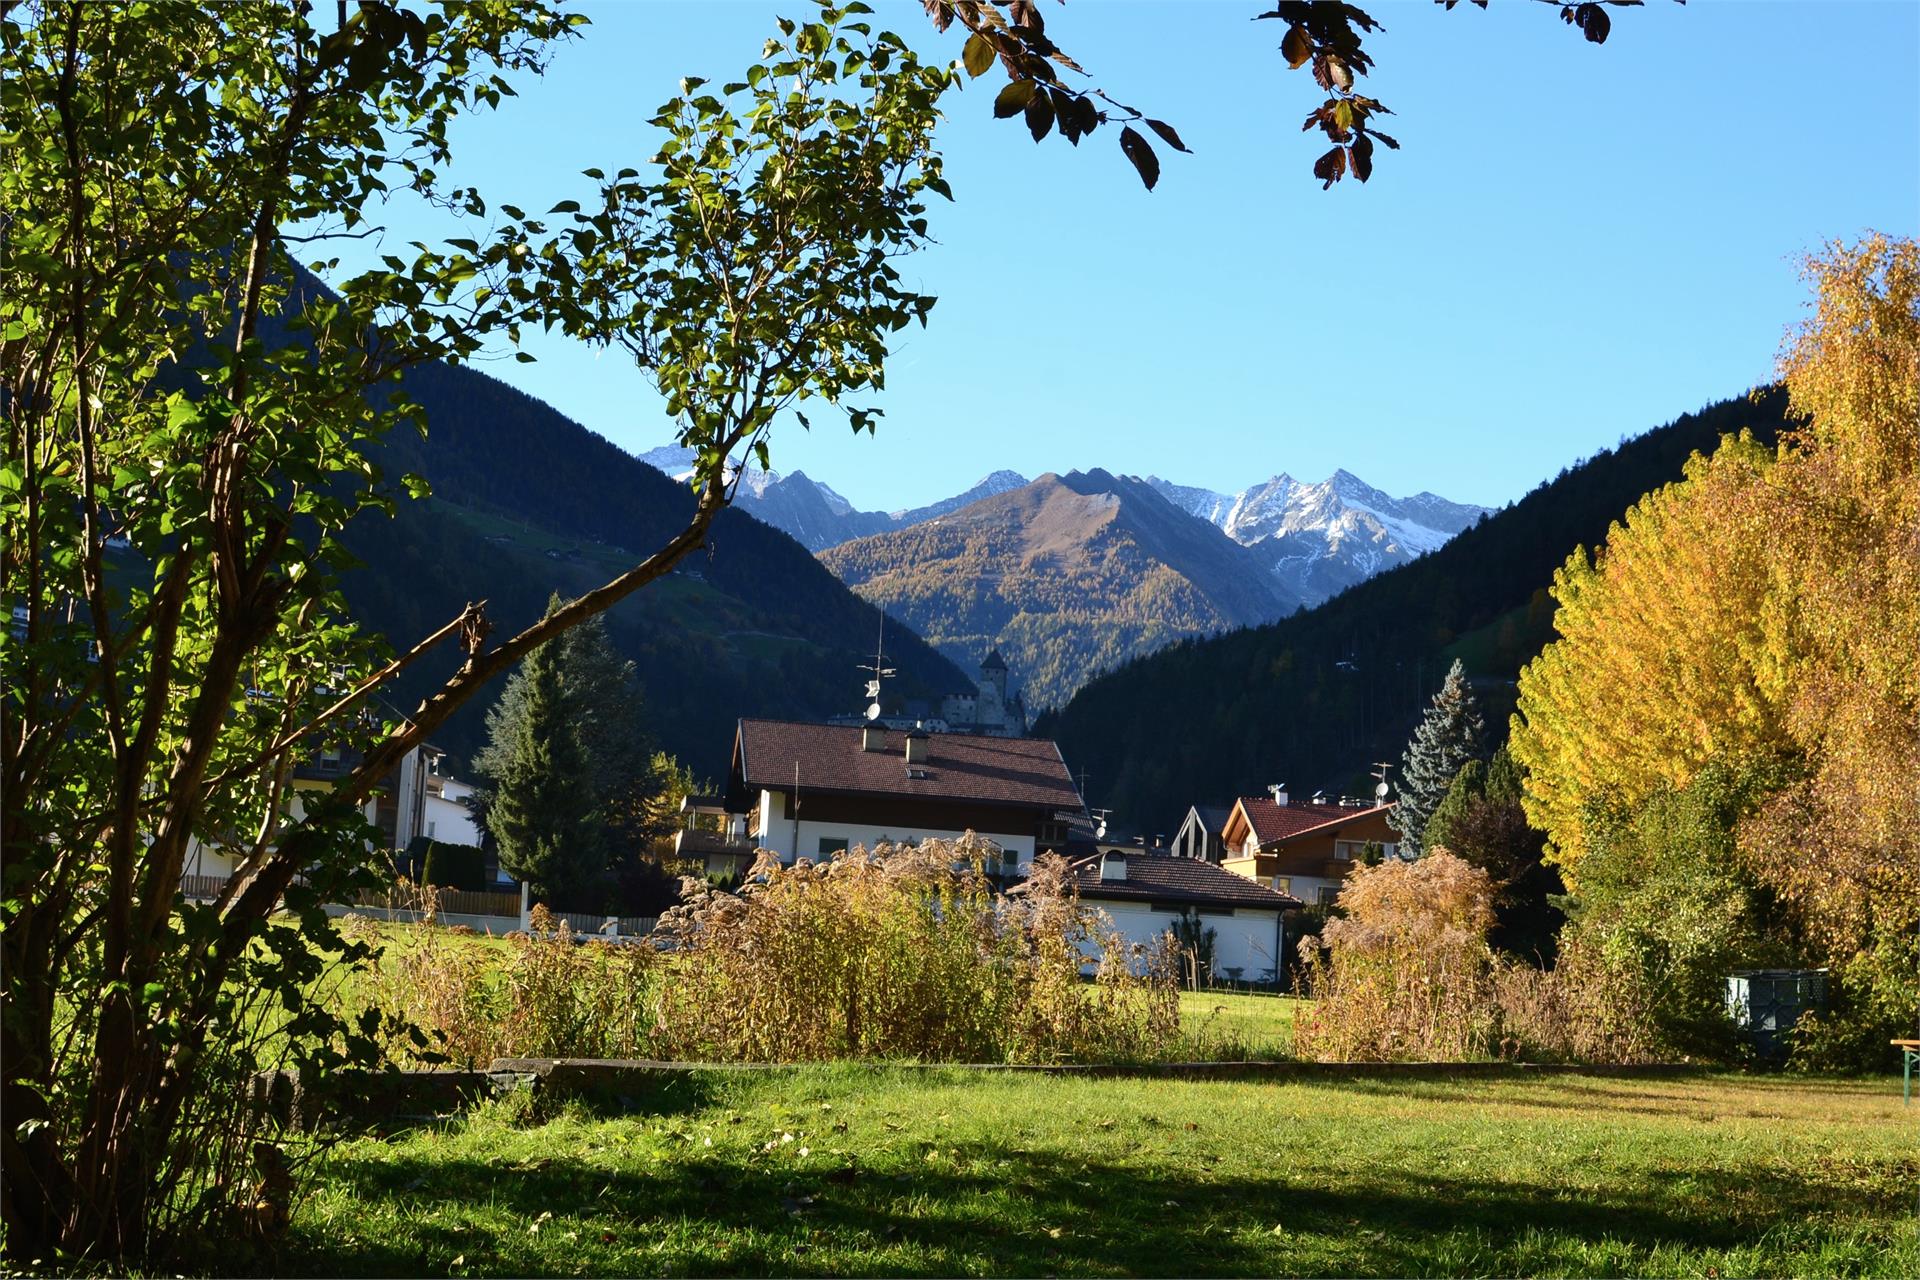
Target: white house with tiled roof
(811, 790)
(1146, 894)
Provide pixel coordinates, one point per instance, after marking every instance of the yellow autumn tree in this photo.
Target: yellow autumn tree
(1844, 843)
(1662, 664)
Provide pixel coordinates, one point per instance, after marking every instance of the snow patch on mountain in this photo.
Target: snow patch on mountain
(1323, 538)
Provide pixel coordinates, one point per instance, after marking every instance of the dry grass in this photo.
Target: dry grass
(905, 953)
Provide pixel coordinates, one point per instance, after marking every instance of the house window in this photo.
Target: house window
(1283, 883)
(830, 845)
(1328, 896)
(1346, 850)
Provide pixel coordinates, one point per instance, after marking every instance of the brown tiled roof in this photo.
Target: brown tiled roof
(1162, 877)
(1022, 772)
(1273, 822)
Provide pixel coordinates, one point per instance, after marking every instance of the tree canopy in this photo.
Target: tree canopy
(191, 424)
(1048, 92)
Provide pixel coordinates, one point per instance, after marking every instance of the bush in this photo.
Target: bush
(902, 953)
(1581, 1010)
(549, 996)
(1873, 1000)
(908, 953)
(1408, 974)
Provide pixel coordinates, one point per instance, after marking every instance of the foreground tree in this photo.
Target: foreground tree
(172, 380)
(1841, 842)
(1450, 734)
(1655, 673)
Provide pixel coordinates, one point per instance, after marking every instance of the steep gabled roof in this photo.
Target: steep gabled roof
(1213, 817)
(1274, 823)
(1161, 877)
(1019, 772)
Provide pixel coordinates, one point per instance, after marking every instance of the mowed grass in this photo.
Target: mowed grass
(1240, 1023)
(872, 1171)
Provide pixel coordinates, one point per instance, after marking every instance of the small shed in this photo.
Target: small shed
(1768, 1003)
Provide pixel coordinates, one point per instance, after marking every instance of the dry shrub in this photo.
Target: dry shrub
(567, 998)
(550, 996)
(1407, 972)
(1581, 1010)
(905, 952)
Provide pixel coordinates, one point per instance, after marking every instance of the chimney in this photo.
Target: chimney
(873, 738)
(1279, 791)
(916, 745)
(1113, 866)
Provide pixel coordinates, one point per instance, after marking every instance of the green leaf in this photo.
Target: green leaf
(181, 412)
(977, 56)
(1013, 99)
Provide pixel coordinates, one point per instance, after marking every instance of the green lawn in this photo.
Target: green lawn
(841, 1170)
(1246, 1024)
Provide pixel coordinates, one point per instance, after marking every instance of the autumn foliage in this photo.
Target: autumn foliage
(1765, 614)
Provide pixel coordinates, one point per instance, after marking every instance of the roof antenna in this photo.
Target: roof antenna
(1380, 768)
(878, 669)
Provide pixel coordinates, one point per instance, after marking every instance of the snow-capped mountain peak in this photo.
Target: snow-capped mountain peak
(1318, 539)
(1322, 538)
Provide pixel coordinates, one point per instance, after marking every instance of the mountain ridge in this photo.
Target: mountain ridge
(1065, 575)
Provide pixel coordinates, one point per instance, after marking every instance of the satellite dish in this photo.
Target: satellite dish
(1380, 792)
(1100, 832)
(873, 711)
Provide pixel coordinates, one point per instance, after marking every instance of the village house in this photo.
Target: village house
(812, 790)
(1305, 849)
(1146, 894)
(419, 799)
(1202, 833)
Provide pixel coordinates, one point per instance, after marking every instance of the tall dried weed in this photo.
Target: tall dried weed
(1407, 974)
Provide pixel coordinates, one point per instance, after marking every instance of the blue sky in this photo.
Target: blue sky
(1575, 243)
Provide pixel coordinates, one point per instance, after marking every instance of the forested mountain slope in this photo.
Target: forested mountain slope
(527, 502)
(1312, 699)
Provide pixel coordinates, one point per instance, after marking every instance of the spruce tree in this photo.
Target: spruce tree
(544, 811)
(609, 725)
(1450, 734)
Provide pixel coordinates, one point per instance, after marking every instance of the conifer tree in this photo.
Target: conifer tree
(1451, 734)
(544, 814)
(608, 724)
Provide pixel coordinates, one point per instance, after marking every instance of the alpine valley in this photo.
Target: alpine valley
(1072, 575)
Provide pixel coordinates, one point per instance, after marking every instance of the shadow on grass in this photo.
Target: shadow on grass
(994, 1208)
